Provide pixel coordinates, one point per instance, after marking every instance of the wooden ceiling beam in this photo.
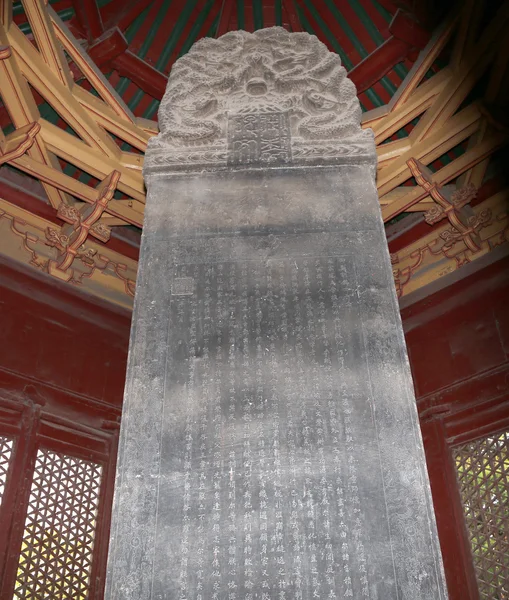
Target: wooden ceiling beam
(449, 206)
(124, 210)
(375, 66)
(111, 52)
(81, 155)
(459, 128)
(110, 221)
(429, 257)
(397, 193)
(446, 174)
(89, 69)
(424, 62)
(107, 47)
(6, 13)
(414, 95)
(23, 111)
(437, 99)
(147, 125)
(83, 222)
(121, 15)
(496, 95)
(15, 92)
(403, 114)
(407, 29)
(106, 117)
(406, 35)
(44, 35)
(108, 273)
(390, 151)
(5, 119)
(150, 80)
(471, 68)
(18, 142)
(59, 97)
(36, 143)
(467, 31)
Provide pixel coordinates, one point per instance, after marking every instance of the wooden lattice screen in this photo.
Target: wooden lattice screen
(56, 552)
(56, 483)
(482, 468)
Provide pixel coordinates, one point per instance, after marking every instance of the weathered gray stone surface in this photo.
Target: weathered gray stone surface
(270, 446)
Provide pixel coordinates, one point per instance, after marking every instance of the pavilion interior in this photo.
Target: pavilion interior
(80, 84)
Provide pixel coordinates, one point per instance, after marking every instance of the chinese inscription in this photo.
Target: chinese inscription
(271, 504)
(259, 138)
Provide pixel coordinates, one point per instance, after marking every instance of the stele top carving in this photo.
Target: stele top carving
(266, 72)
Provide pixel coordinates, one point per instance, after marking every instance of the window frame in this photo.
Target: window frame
(472, 409)
(32, 428)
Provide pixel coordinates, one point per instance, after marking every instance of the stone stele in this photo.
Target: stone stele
(270, 447)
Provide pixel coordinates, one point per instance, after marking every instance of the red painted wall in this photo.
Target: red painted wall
(67, 346)
(459, 332)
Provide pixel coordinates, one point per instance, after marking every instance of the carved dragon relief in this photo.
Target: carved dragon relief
(269, 71)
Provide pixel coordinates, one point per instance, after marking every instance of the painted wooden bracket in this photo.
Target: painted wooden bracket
(453, 205)
(81, 223)
(18, 142)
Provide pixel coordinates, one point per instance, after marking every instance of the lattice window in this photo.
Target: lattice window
(5, 456)
(483, 475)
(56, 553)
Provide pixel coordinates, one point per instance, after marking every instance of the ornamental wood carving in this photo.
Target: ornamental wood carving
(83, 222)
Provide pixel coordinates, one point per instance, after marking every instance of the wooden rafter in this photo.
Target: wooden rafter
(6, 13)
(446, 174)
(60, 97)
(44, 35)
(89, 69)
(23, 111)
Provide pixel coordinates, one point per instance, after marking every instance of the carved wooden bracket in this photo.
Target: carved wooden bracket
(470, 231)
(70, 239)
(98, 269)
(18, 142)
(451, 205)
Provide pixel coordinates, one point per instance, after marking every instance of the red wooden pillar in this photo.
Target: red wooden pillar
(98, 575)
